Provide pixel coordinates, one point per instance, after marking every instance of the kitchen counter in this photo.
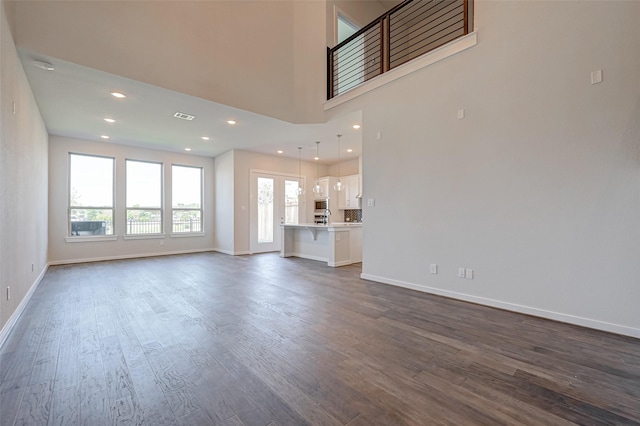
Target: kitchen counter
(338, 243)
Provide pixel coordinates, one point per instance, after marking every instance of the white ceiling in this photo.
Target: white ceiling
(74, 100)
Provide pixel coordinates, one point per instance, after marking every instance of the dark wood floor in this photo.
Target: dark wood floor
(210, 339)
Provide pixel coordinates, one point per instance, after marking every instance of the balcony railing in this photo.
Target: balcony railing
(407, 31)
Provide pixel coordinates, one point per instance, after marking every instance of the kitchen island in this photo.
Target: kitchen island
(338, 244)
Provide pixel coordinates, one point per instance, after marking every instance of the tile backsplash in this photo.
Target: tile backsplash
(354, 215)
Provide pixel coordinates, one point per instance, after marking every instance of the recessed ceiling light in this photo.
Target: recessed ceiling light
(349, 150)
(231, 122)
(118, 95)
(104, 137)
(280, 151)
(44, 65)
(356, 126)
(205, 138)
(109, 120)
(187, 149)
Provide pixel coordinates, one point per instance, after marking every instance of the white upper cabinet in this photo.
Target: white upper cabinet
(347, 197)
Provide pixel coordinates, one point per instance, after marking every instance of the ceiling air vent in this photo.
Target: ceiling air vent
(184, 116)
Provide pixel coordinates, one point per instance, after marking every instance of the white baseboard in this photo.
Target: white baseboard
(338, 264)
(307, 256)
(232, 253)
(6, 330)
(514, 307)
(127, 256)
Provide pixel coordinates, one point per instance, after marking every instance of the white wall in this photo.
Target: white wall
(537, 189)
(309, 61)
(224, 194)
(223, 51)
(61, 251)
(345, 168)
(23, 180)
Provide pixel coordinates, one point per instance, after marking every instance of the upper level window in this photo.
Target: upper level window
(144, 197)
(90, 195)
(186, 196)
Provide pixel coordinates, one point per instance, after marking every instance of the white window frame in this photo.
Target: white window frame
(147, 235)
(70, 208)
(201, 231)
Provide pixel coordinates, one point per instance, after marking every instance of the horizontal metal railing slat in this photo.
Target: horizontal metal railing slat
(430, 22)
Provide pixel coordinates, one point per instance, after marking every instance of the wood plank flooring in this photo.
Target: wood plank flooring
(211, 339)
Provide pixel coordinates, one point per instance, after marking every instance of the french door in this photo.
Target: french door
(274, 201)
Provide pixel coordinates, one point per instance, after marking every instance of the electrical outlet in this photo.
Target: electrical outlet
(461, 273)
(469, 274)
(433, 268)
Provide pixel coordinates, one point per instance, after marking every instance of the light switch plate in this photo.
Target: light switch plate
(460, 114)
(371, 202)
(469, 274)
(461, 272)
(596, 76)
(433, 268)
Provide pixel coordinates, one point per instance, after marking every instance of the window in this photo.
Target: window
(90, 195)
(144, 198)
(186, 196)
(291, 201)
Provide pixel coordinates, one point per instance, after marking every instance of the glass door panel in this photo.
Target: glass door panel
(291, 203)
(265, 200)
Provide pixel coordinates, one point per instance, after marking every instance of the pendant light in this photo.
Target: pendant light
(317, 189)
(338, 186)
(300, 188)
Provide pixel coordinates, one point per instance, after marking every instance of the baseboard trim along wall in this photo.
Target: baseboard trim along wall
(6, 330)
(556, 316)
(127, 256)
(231, 252)
(308, 256)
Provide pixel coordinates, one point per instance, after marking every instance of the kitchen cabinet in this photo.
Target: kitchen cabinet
(324, 186)
(327, 183)
(347, 198)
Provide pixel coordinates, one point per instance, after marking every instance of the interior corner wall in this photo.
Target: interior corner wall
(361, 12)
(537, 188)
(23, 180)
(224, 196)
(345, 168)
(61, 251)
(309, 61)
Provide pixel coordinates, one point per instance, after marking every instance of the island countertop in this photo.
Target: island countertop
(338, 243)
(321, 226)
